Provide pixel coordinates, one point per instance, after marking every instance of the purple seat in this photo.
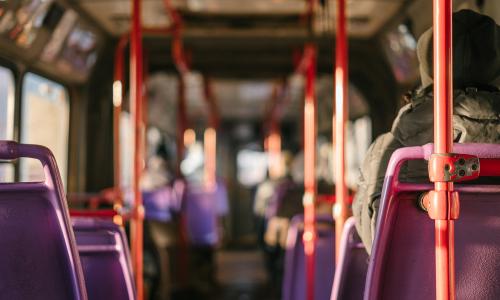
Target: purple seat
(350, 274)
(38, 254)
(294, 279)
(402, 264)
(201, 217)
(160, 203)
(105, 259)
(203, 208)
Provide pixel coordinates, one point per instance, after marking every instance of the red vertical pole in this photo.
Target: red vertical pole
(181, 128)
(443, 143)
(181, 123)
(210, 137)
(136, 97)
(118, 84)
(273, 138)
(341, 108)
(309, 236)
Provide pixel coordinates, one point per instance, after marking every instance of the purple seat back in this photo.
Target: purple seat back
(203, 208)
(277, 198)
(402, 264)
(294, 279)
(350, 274)
(201, 216)
(38, 255)
(221, 198)
(159, 203)
(105, 259)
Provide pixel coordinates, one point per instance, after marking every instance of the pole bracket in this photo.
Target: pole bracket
(441, 210)
(453, 167)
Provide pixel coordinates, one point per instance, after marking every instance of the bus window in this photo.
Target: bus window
(126, 150)
(400, 48)
(23, 20)
(7, 89)
(79, 52)
(54, 46)
(252, 166)
(44, 121)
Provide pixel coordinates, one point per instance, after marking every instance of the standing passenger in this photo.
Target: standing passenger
(476, 111)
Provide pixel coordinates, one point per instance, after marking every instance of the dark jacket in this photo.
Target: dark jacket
(476, 112)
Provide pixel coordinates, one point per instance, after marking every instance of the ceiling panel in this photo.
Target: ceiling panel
(247, 6)
(234, 17)
(114, 15)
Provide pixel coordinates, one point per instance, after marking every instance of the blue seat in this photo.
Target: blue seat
(38, 254)
(105, 259)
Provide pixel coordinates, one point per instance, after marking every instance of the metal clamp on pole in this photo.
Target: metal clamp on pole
(448, 167)
(452, 167)
(440, 210)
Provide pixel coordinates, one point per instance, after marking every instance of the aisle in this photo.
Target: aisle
(241, 275)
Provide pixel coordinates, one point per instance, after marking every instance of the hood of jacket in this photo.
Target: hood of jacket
(476, 51)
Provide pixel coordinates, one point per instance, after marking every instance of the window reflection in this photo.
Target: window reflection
(21, 20)
(400, 47)
(53, 48)
(79, 52)
(44, 121)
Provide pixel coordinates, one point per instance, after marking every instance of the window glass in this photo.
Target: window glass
(44, 121)
(400, 47)
(21, 20)
(79, 52)
(59, 35)
(252, 166)
(7, 89)
(126, 150)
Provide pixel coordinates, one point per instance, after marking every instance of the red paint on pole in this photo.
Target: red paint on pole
(136, 108)
(118, 84)
(341, 112)
(309, 237)
(443, 143)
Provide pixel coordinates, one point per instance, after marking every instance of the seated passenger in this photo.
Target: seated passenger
(476, 73)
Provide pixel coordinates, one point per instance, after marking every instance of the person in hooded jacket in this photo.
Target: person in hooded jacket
(476, 111)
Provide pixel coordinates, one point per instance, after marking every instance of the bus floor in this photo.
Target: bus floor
(240, 274)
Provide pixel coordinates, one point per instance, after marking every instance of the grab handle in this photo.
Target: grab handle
(10, 150)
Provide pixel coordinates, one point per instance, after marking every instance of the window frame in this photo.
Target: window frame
(11, 67)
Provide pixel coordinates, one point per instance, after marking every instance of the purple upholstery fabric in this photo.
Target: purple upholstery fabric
(277, 198)
(201, 217)
(294, 281)
(159, 203)
(221, 198)
(105, 259)
(402, 264)
(38, 255)
(350, 274)
(203, 207)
